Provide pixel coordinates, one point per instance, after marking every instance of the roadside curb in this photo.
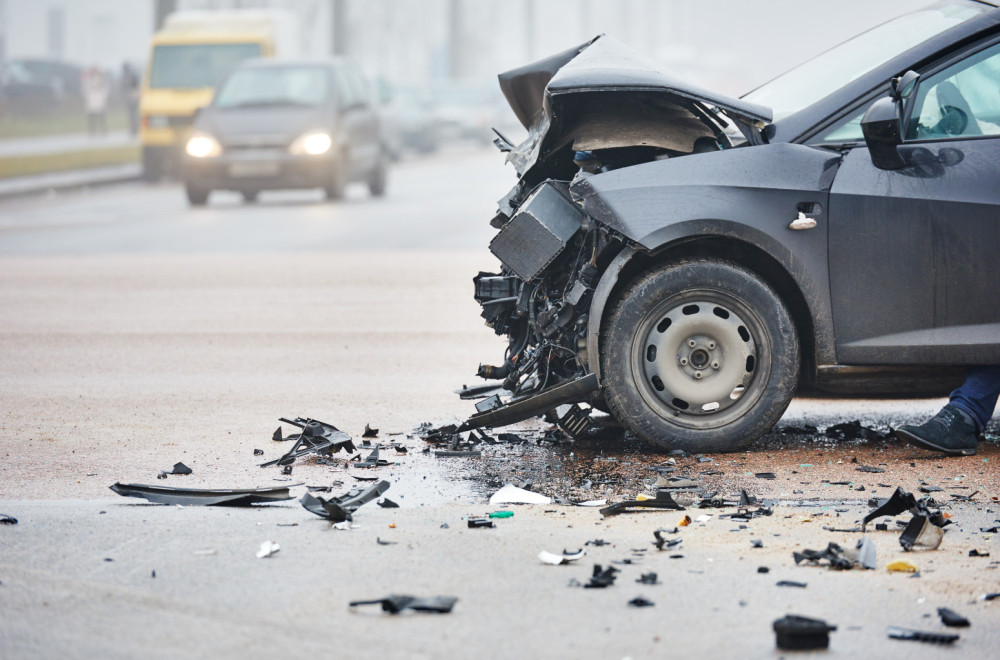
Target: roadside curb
(69, 180)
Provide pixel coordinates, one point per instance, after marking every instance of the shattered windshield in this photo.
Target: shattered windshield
(285, 85)
(815, 79)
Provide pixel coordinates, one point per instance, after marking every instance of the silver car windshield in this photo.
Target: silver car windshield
(818, 77)
(274, 85)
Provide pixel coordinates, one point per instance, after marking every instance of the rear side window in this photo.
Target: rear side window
(963, 100)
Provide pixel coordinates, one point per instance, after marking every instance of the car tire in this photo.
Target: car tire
(197, 196)
(338, 179)
(153, 165)
(250, 196)
(379, 179)
(700, 355)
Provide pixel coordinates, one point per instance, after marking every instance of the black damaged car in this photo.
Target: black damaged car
(687, 261)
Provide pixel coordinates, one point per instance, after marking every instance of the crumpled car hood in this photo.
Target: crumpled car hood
(547, 97)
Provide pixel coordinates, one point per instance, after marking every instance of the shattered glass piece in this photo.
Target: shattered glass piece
(396, 604)
(557, 560)
(511, 494)
(952, 619)
(601, 578)
(795, 632)
(895, 632)
(639, 601)
(921, 534)
(202, 496)
(267, 549)
(340, 509)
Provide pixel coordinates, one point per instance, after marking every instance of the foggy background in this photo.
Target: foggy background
(729, 45)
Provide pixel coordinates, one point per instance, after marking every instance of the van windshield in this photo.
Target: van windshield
(274, 85)
(196, 65)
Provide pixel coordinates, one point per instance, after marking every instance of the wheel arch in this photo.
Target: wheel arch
(631, 262)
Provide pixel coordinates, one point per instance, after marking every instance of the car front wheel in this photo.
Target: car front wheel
(700, 355)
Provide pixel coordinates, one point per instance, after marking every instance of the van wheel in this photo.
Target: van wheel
(379, 179)
(700, 355)
(197, 196)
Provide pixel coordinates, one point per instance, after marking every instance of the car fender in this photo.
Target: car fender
(749, 196)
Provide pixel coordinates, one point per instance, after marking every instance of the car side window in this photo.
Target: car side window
(963, 100)
(846, 130)
(345, 90)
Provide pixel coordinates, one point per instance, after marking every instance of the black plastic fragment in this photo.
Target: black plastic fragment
(369, 432)
(795, 632)
(464, 453)
(921, 635)
(952, 618)
(480, 522)
(869, 468)
(648, 578)
(7, 520)
(396, 604)
(386, 503)
(258, 452)
(900, 502)
(601, 577)
(663, 500)
(339, 509)
(662, 543)
(372, 461)
(639, 601)
(203, 497)
(381, 542)
(977, 553)
(790, 583)
(765, 475)
(316, 438)
(833, 554)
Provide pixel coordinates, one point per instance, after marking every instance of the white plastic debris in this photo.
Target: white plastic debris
(267, 549)
(206, 551)
(555, 560)
(593, 503)
(346, 524)
(510, 494)
(705, 517)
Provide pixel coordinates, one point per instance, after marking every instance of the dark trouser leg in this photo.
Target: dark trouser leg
(977, 396)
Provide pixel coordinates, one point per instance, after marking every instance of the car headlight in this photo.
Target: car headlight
(203, 145)
(314, 143)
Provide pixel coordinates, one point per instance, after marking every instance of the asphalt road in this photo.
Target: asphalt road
(136, 332)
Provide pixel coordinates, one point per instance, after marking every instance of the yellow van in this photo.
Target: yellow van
(188, 57)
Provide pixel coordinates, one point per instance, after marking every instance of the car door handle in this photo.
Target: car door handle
(802, 222)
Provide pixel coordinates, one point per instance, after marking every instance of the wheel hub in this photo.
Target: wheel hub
(699, 358)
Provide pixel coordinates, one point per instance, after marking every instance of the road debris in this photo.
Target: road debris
(977, 553)
(952, 619)
(202, 496)
(663, 500)
(178, 468)
(601, 578)
(371, 461)
(791, 583)
(341, 509)
(386, 503)
(7, 520)
(639, 601)
(648, 578)
(369, 432)
(267, 549)
(901, 566)
(511, 494)
(475, 523)
(396, 604)
(558, 560)
(921, 635)
(662, 543)
(921, 534)
(794, 632)
(316, 438)
(838, 558)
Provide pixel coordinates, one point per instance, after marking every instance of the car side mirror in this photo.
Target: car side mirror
(902, 86)
(882, 128)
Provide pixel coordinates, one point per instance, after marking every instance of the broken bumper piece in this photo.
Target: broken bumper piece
(663, 500)
(536, 404)
(795, 632)
(203, 497)
(316, 438)
(339, 509)
(396, 604)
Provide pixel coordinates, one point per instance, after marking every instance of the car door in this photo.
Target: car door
(911, 257)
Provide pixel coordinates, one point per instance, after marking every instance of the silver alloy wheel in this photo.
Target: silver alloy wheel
(696, 358)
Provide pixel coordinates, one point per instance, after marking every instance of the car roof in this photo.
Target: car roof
(277, 62)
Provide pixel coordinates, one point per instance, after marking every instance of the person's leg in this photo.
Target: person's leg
(956, 428)
(977, 395)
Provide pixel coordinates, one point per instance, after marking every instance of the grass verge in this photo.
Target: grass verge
(72, 160)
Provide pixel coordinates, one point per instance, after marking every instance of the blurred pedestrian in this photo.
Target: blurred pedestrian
(130, 93)
(96, 90)
(957, 427)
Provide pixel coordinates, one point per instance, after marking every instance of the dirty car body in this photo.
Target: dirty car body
(688, 261)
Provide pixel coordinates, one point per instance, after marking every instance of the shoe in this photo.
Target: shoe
(950, 431)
